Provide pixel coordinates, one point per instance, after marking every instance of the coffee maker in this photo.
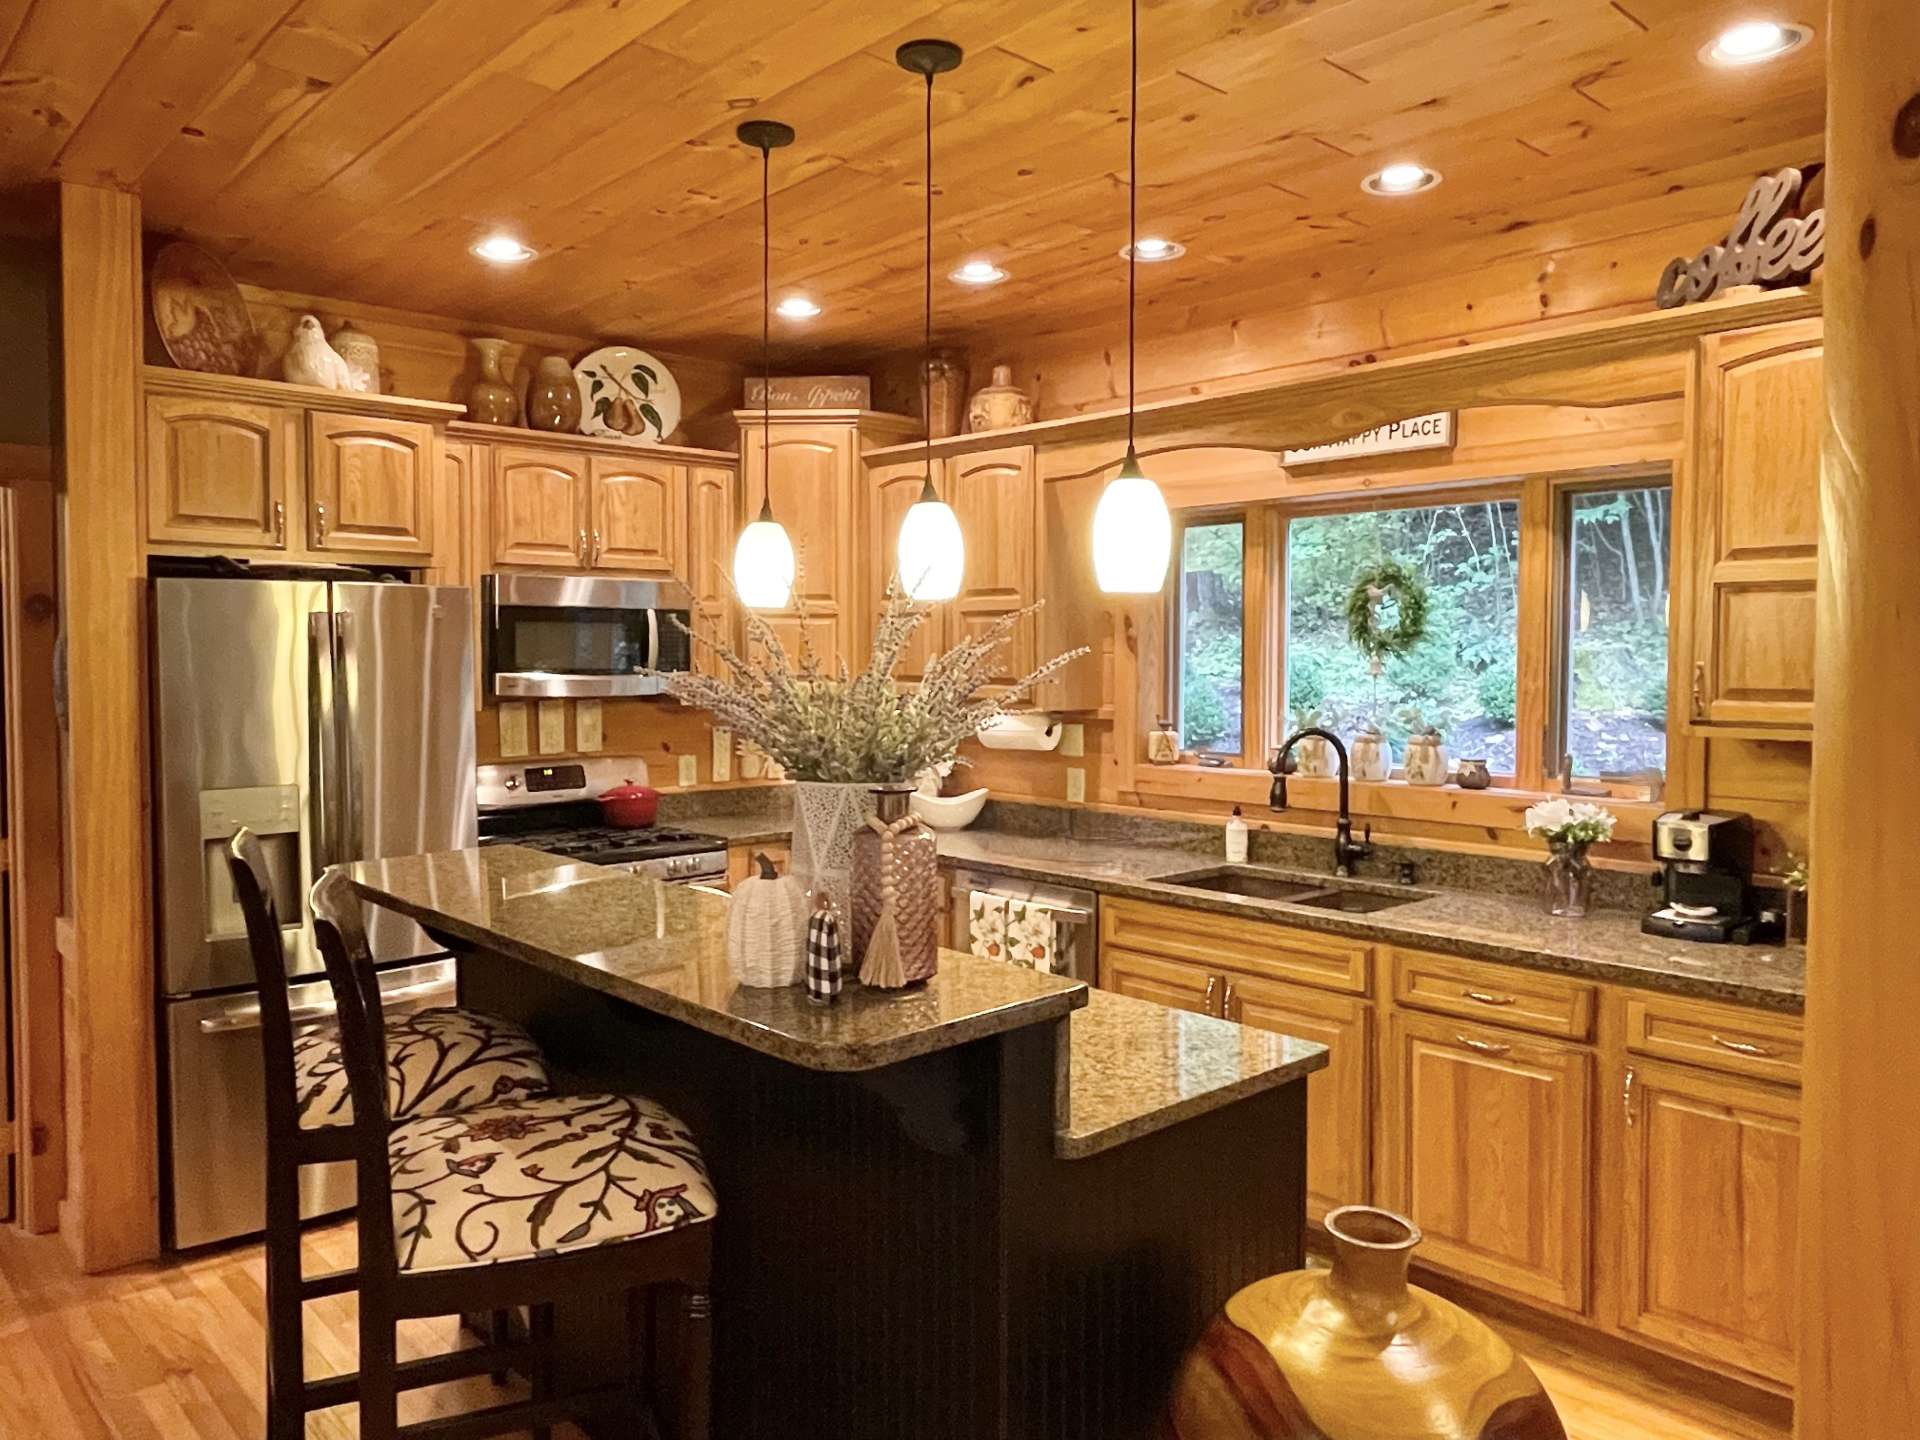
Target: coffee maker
(1705, 877)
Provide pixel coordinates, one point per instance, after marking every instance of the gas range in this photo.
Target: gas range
(554, 808)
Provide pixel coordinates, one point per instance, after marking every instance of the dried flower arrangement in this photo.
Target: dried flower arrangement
(826, 724)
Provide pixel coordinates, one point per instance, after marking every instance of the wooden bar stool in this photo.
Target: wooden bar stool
(437, 1061)
(526, 1202)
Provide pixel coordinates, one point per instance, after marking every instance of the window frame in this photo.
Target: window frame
(1255, 589)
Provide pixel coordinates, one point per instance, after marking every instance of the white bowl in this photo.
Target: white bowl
(955, 813)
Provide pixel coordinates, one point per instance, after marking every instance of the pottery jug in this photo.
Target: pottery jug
(945, 384)
(999, 405)
(362, 354)
(1355, 1353)
(1370, 757)
(1427, 759)
(491, 401)
(1473, 775)
(553, 399)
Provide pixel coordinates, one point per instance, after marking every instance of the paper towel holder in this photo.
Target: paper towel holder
(1021, 732)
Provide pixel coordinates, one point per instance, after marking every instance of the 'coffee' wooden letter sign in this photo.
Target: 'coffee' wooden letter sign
(1768, 245)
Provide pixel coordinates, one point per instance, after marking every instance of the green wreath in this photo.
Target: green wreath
(1409, 594)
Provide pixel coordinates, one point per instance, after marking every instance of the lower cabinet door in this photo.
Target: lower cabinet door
(1173, 983)
(1711, 1215)
(1485, 1146)
(1339, 1098)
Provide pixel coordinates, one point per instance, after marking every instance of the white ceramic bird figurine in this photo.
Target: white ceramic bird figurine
(310, 360)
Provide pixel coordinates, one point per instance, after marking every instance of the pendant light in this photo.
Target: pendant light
(932, 551)
(763, 565)
(1132, 531)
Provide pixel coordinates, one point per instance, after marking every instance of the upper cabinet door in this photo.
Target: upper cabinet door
(812, 468)
(997, 497)
(636, 514)
(218, 472)
(891, 492)
(1760, 418)
(540, 508)
(373, 485)
(710, 537)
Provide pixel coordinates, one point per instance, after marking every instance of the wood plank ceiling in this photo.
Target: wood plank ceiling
(355, 148)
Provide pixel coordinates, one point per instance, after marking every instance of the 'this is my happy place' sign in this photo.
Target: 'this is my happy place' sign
(1421, 432)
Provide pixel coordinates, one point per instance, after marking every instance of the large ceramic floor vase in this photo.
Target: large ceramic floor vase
(1355, 1353)
(896, 894)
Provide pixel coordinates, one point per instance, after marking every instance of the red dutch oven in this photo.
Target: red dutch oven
(629, 806)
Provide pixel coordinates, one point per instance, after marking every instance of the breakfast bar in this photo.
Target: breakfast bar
(995, 1205)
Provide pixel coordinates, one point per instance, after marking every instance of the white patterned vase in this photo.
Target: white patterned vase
(826, 817)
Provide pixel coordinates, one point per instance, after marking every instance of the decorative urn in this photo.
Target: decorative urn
(1355, 1353)
(1001, 405)
(1370, 757)
(1427, 759)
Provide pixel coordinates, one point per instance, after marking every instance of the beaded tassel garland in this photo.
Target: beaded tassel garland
(882, 967)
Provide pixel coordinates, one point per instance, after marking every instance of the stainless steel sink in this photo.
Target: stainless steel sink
(1316, 894)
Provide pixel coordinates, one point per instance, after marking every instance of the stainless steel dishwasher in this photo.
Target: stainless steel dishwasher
(1074, 916)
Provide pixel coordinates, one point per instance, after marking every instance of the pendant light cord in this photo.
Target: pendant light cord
(1133, 213)
(766, 334)
(926, 357)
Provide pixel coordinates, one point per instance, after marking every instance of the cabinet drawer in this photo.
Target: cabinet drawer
(1253, 947)
(1493, 994)
(1721, 1037)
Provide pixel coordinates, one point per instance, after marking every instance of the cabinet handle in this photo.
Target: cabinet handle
(1699, 689)
(1481, 997)
(1213, 984)
(320, 523)
(1626, 1095)
(582, 551)
(1485, 1047)
(1227, 1002)
(1741, 1047)
(596, 548)
(280, 522)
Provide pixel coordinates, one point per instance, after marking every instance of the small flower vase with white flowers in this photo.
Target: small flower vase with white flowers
(1569, 828)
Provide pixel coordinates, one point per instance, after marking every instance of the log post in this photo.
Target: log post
(1860, 1244)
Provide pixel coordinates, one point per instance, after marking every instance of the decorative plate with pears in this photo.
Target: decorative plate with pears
(626, 394)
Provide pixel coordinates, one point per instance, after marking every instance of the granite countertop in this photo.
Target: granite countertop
(664, 948)
(740, 829)
(1137, 1067)
(1604, 945)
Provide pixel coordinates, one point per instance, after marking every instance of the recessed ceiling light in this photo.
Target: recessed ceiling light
(796, 307)
(502, 250)
(1401, 178)
(1752, 41)
(978, 272)
(1151, 249)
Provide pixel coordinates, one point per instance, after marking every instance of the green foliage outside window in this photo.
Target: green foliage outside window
(1212, 619)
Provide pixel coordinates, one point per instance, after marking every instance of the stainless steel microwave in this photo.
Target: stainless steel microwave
(583, 635)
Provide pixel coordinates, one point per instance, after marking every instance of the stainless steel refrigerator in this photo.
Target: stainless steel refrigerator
(334, 718)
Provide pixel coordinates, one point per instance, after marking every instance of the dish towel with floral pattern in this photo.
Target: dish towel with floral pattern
(987, 925)
(1032, 936)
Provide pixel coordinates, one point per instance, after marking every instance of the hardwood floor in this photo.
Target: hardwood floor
(161, 1352)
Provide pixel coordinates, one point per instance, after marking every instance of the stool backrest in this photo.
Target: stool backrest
(253, 886)
(339, 928)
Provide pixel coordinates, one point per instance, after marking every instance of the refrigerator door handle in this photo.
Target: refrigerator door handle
(349, 843)
(247, 1017)
(321, 730)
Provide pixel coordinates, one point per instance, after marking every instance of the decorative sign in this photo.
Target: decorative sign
(1422, 432)
(812, 392)
(1769, 244)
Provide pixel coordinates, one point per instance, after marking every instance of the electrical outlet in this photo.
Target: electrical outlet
(1076, 785)
(1073, 741)
(689, 770)
(553, 726)
(722, 755)
(589, 730)
(513, 729)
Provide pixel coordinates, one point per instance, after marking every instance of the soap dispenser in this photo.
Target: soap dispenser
(1236, 838)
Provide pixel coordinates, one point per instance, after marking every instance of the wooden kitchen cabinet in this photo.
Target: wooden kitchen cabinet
(1485, 1139)
(372, 485)
(1759, 418)
(219, 473)
(711, 531)
(996, 496)
(1710, 1221)
(892, 490)
(1339, 1098)
(1173, 983)
(540, 507)
(634, 514)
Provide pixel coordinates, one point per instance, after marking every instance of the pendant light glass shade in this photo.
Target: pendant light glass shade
(933, 552)
(763, 565)
(1132, 533)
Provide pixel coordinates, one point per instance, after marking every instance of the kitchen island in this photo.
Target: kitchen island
(997, 1205)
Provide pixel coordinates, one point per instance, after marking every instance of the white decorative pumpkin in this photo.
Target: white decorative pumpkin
(767, 931)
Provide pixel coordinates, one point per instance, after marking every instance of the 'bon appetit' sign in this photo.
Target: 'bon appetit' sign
(1768, 245)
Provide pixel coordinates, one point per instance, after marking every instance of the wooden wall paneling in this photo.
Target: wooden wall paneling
(1859, 1252)
(1542, 578)
(29, 587)
(1770, 780)
(112, 1212)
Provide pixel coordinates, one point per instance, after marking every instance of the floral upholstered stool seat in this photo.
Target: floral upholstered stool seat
(438, 1061)
(536, 1177)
